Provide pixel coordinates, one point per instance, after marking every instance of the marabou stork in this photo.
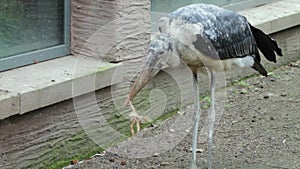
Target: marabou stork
(203, 36)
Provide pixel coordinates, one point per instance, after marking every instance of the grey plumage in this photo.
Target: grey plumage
(228, 31)
(221, 34)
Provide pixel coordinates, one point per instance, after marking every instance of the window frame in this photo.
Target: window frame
(32, 57)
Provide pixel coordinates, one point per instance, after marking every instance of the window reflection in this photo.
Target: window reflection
(29, 25)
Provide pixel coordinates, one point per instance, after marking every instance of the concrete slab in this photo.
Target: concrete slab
(9, 104)
(275, 16)
(46, 83)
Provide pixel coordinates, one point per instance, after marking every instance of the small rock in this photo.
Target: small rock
(244, 91)
(99, 154)
(187, 130)
(154, 125)
(272, 138)
(247, 161)
(180, 112)
(123, 162)
(198, 150)
(164, 163)
(74, 162)
(155, 155)
(112, 160)
(294, 65)
(283, 95)
(171, 130)
(268, 95)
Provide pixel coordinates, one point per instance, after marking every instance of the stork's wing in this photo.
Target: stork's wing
(228, 32)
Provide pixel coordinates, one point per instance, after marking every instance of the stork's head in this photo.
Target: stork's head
(159, 52)
(159, 56)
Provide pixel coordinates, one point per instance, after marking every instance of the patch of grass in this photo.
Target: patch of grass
(241, 82)
(227, 106)
(286, 72)
(274, 75)
(206, 102)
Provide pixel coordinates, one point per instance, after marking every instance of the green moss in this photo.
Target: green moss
(206, 102)
(227, 106)
(78, 146)
(67, 161)
(241, 82)
(163, 117)
(105, 67)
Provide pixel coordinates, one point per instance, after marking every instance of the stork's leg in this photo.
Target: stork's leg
(211, 117)
(196, 123)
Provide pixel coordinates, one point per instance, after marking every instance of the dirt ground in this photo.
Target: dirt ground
(259, 128)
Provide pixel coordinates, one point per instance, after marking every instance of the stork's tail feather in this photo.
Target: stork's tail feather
(266, 45)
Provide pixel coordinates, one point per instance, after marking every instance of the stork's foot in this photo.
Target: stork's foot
(136, 120)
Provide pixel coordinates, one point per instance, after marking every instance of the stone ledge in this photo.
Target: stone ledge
(275, 16)
(39, 85)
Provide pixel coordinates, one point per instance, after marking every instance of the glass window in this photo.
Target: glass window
(32, 31)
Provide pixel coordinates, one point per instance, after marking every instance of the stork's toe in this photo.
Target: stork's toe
(136, 120)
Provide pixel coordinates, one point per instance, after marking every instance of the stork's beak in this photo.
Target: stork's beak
(140, 82)
(257, 66)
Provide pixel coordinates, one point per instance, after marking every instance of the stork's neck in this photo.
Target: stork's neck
(173, 44)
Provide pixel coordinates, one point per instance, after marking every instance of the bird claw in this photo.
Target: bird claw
(136, 119)
(132, 125)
